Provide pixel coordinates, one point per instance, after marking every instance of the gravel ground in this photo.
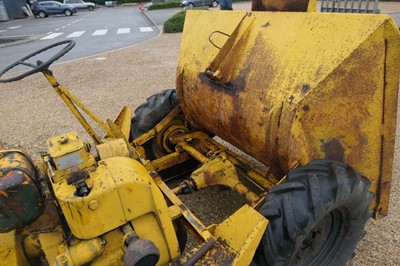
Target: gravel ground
(31, 113)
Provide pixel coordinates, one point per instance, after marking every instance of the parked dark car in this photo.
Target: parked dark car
(45, 8)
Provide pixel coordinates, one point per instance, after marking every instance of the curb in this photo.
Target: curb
(19, 39)
(160, 28)
(149, 18)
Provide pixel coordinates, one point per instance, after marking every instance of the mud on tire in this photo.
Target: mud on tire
(316, 217)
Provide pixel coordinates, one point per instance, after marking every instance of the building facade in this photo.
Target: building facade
(13, 8)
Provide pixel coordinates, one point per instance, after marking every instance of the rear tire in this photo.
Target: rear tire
(42, 14)
(68, 12)
(316, 217)
(190, 5)
(91, 8)
(149, 114)
(214, 3)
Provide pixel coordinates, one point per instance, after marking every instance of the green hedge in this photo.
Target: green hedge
(164, 5)
(175, 23)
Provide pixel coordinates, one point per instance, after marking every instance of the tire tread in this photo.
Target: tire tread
(310, 192)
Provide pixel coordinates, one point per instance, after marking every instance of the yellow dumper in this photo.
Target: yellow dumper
(311, 96)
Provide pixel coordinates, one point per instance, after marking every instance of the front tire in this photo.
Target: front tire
(214, 3)
(190, 5)
(316, 217)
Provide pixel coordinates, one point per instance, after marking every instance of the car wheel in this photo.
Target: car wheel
(91, 8)
(190, 5)
(42, 14)
(68, 12)
(214, 3)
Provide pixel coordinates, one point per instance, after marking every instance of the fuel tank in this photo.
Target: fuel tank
(21, 202)
(289, 88)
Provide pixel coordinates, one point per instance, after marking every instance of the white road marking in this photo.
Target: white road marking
(146, 29)
(99, 32)
(123, 30)
(52, 36)
(63, 27)
(76, 34)
(14, 27)
(2, 31)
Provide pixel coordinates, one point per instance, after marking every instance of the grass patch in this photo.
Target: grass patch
(164, 5)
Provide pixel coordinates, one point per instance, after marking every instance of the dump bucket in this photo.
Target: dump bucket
(293, 87)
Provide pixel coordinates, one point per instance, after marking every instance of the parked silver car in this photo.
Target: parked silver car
(193, 3)
(79, 4)
(45, 8)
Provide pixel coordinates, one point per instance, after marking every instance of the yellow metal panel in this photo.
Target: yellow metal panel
(11, 252)
(50, 243)
(242, 240)
(148, 228)
(123, 121)
(121, 191)
(143, 203)
(295, 87)
(113, 148)
(84, 222)
(114, 250)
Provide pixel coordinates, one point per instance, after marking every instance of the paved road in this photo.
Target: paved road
(161, 15)
(95, 32)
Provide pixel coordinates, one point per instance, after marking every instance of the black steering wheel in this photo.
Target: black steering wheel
(40, 66)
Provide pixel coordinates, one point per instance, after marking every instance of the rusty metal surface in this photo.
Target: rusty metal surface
(20, 200)
(280, 5)
(294, 87)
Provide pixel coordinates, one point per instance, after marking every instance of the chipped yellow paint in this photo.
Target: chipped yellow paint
(125, 193)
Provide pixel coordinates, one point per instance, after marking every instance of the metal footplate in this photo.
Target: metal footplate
(232, 242)
(236, 238)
